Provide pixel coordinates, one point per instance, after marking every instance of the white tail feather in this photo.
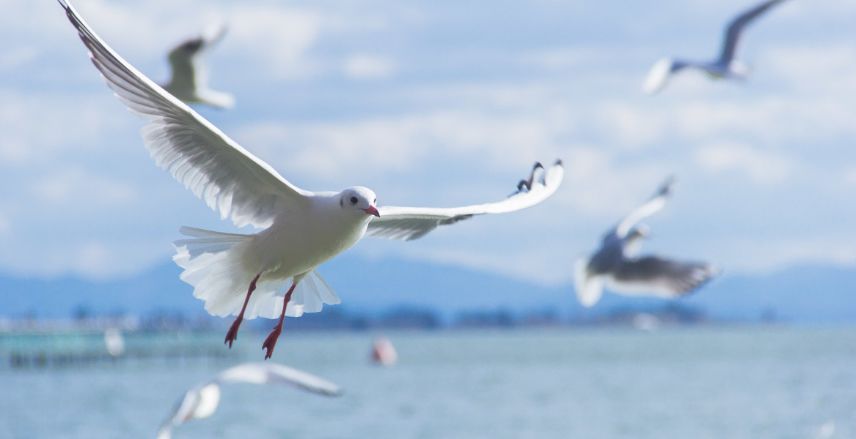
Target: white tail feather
(213, 265)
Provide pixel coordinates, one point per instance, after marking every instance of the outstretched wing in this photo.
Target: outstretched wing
(219, 171)
(409, 223)
(660, 276)
(197, 403)
(201, 402)
(737, 25)
(266, 373)
(652, 206)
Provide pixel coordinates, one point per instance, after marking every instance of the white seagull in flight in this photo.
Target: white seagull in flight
(188, 75)
(246, 275)
(614, 262)
(202, 401)
(726, 66)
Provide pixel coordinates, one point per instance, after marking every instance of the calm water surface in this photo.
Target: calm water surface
(678, 383)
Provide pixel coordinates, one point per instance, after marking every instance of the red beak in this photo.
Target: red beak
(371, 210)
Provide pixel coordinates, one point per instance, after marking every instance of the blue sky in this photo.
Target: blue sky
(443, 103)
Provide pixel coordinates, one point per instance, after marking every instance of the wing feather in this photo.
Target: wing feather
(266, 373)
(409, 223)
(650, 207)
(737, 25)
(664, 277)
(230, 179)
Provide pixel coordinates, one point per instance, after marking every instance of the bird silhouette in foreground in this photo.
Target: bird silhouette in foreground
(246, 275)
(188, 74)
(615, 265)
(202, 401)
(726, 66)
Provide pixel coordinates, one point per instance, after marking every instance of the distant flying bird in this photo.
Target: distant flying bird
(302, 229)
(202, 401)
(615, 265)
(189, 77)
(726, 66)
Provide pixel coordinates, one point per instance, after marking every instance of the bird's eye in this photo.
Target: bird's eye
(353, 200)
(375, 201)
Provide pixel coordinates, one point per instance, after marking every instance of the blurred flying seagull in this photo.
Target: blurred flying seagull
(189, 77)
(202, 401)
(302, 229)
(614, 262)
(726, 66)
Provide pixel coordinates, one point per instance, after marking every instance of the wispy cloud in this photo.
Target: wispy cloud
(17, 57)
(749, 254)
(441, 115)
(277, 38)
(364, 66)
(849, 176)
(405, 142)
(40, 127)
(82, 188)
(760, 166)
(5, 224)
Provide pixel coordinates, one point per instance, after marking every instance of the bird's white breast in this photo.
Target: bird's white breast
(300, 241)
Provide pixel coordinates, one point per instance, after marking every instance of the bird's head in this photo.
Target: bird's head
(187, 49)
(641, 231)
(633, 242)
(360, 200)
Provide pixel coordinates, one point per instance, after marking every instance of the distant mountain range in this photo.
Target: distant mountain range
(803, 294)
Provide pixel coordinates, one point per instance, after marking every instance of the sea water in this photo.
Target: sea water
(728, 382)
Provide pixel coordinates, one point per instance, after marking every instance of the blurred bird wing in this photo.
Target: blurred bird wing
(735, 29)
(659, 75)
(217, 169)
(589, 288)
(650, 207)
(408, 223)
(209, 399)
(265, 373)
(663, 277)
(251, 373)
(197, 403)
(213, 34)
(303, 380)
(165, 431)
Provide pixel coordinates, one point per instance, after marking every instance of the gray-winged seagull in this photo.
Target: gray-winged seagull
(615, 265)
(188, 75)
(202, 401)
(725, 66)
(246, 274)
